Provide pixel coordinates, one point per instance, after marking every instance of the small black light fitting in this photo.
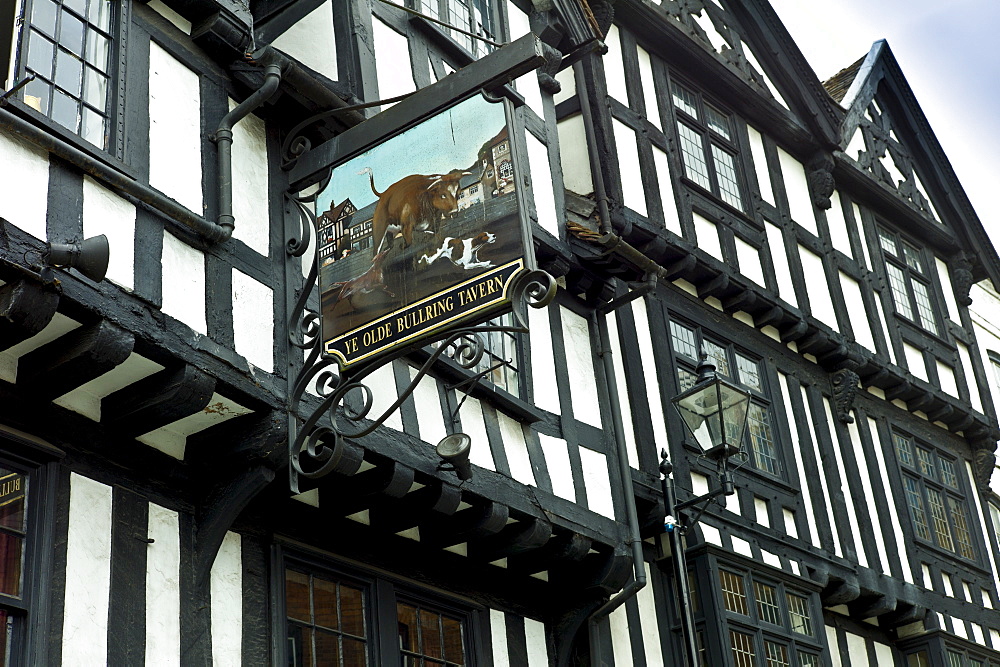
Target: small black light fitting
(90, 256)
(454, 451)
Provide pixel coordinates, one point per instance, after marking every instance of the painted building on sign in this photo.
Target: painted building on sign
(695, 190)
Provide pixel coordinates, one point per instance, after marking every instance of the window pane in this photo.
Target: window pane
(354, 652)
(11, 554)
(684, 100)
(762, 440)
(717, 355)
(767, 603)
(325, 604)
(948, 475)
(683, 340)
(725, 172)
(940, 519)
(37, 95)
(100, 14)
(98, 49)
(918, 659)
(40, 55)
(458, 16)
(912, 257)
(327, 648)
(12, 489)
(903, 449)
(954, 659)
(808, 660)
(897, 283)
(297, 596)
(798, 614)
(924, 307)
(43, 16)
(430, 632)
(409, 633)
(961, 526)
(94, 129)
(685, 379)
(65, 110)
(693, 156)
(887, 241)
(749, 372)
(718, 122)
(777, 655)
(454, 647)
(916, 503)
(69, 73)
(71, 33)
(742, 646)
(926, 462)
(733, 595)
(430, 8)
(352, 610)
(77, 6)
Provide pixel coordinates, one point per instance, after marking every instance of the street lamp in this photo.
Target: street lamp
(714, 412)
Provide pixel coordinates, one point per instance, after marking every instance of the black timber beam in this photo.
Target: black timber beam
(483, 519)
(438, 499)
(74, 359)
(514, 539)
(158, 400)
(26, 307)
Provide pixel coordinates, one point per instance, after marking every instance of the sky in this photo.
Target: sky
(948, 54)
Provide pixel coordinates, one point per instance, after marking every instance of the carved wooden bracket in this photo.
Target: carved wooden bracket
(821, 182)
(845, 388)
(961, 280)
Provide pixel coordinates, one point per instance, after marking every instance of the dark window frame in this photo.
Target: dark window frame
(382, 593)
(762, 396)
(695, 114)
(113, 149)
(898, 265)
(936, 645)
(447, 10)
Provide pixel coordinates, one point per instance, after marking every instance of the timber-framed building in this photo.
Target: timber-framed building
(809, 236)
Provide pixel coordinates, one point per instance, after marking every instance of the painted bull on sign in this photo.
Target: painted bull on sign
(413, 203)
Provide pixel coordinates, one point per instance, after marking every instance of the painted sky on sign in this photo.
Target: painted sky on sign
(948, 54)
(450, 140)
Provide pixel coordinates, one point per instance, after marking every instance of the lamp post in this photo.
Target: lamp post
(714, 412)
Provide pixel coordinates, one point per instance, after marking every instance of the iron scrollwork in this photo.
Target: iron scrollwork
(321, 442)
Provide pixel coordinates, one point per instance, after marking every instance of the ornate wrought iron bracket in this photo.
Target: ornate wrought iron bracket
(321, 441)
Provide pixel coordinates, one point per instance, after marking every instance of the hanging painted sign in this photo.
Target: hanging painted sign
(421, 232)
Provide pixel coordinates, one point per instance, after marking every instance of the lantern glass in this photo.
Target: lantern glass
(715, 413)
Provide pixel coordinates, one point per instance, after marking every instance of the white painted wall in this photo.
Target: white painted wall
(24, 170)
(749, 259)
(622, 387)
(163, 592)
(392, 62)
(183, 283)
(597, 481)
(516, 448)
(633, 193)
(427, 403)
(473, 425)
(250, 180)
(86, 399)
(383, 384)
(253, 320)
(707, 233)
(227, 603)
(545, 390)
(580, 367)
(671, 220)
(498, 638)
(650, 377)
(88, 573)
(648, 87)
(851, 289)
(534, 638)
(614, 66)
(837, 223)
(527, 85)
(949, 293)
(106, 213)
(820, 301)
(873, 517)
(760, 165)
(312, 42)
(574, 155)
(174, 129)
(621, 641)
(782, 271)
(179, 21)
(797, 188)
(541, 184)
(557, 463)
(915, 361)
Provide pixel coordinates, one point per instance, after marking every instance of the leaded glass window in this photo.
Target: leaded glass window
(909, 280)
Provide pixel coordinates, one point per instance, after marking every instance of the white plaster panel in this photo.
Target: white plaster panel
(825, 499)
(884, 655)
(312, 41)
(623, 399)
(392, 62)
(557, 463)
(779, 258)
(650, 627)
(574, 156)
(545, 389)
(838, 225)
(760, 165)
(707, 233)
(868, 493)
(621, 641)
(749, 259)
(516, 449)
(595, 476)
(743, 547)
(250, 178)
(880, 316)
(948, 590)
(789, 519)
(24, 170)
(892, 519)
(614, 66)
(800, 204)
(527, 85)
(946, 378)
(86, 399)
(534, 639)
(915, 361)
(760, 512)
(845, 484)
(541, 184)
(946, 287)
(977, 634)
(427, 402)
(661, 163)
(184, 283)
(106, 213)
(995, 637)
(699, 484)
(473, 425)
(580, 367)
(383, 385)
(856, 646)
(227, 603)
(633, 193)
(774, 560)
(831, 638)
(179, 21)
(58, 326)
(864, 245)
(959, 626)
(966, 359)
(851, 289)
(174, 129)
(88, 572)
(648, 87)
(649, 372)
(253, 320)
(711, 534)
(820, 301)
(163, 588)
(567, 82)
(498, 638)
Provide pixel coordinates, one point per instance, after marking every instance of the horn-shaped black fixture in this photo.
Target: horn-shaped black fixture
(454, 450)
(90, 256)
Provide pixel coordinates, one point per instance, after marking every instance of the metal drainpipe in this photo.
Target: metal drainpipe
(224, 138)
(624, 470)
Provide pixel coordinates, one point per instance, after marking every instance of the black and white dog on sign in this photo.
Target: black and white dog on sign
(463, 253)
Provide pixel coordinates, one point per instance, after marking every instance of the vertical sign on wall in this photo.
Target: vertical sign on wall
(421, 232)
